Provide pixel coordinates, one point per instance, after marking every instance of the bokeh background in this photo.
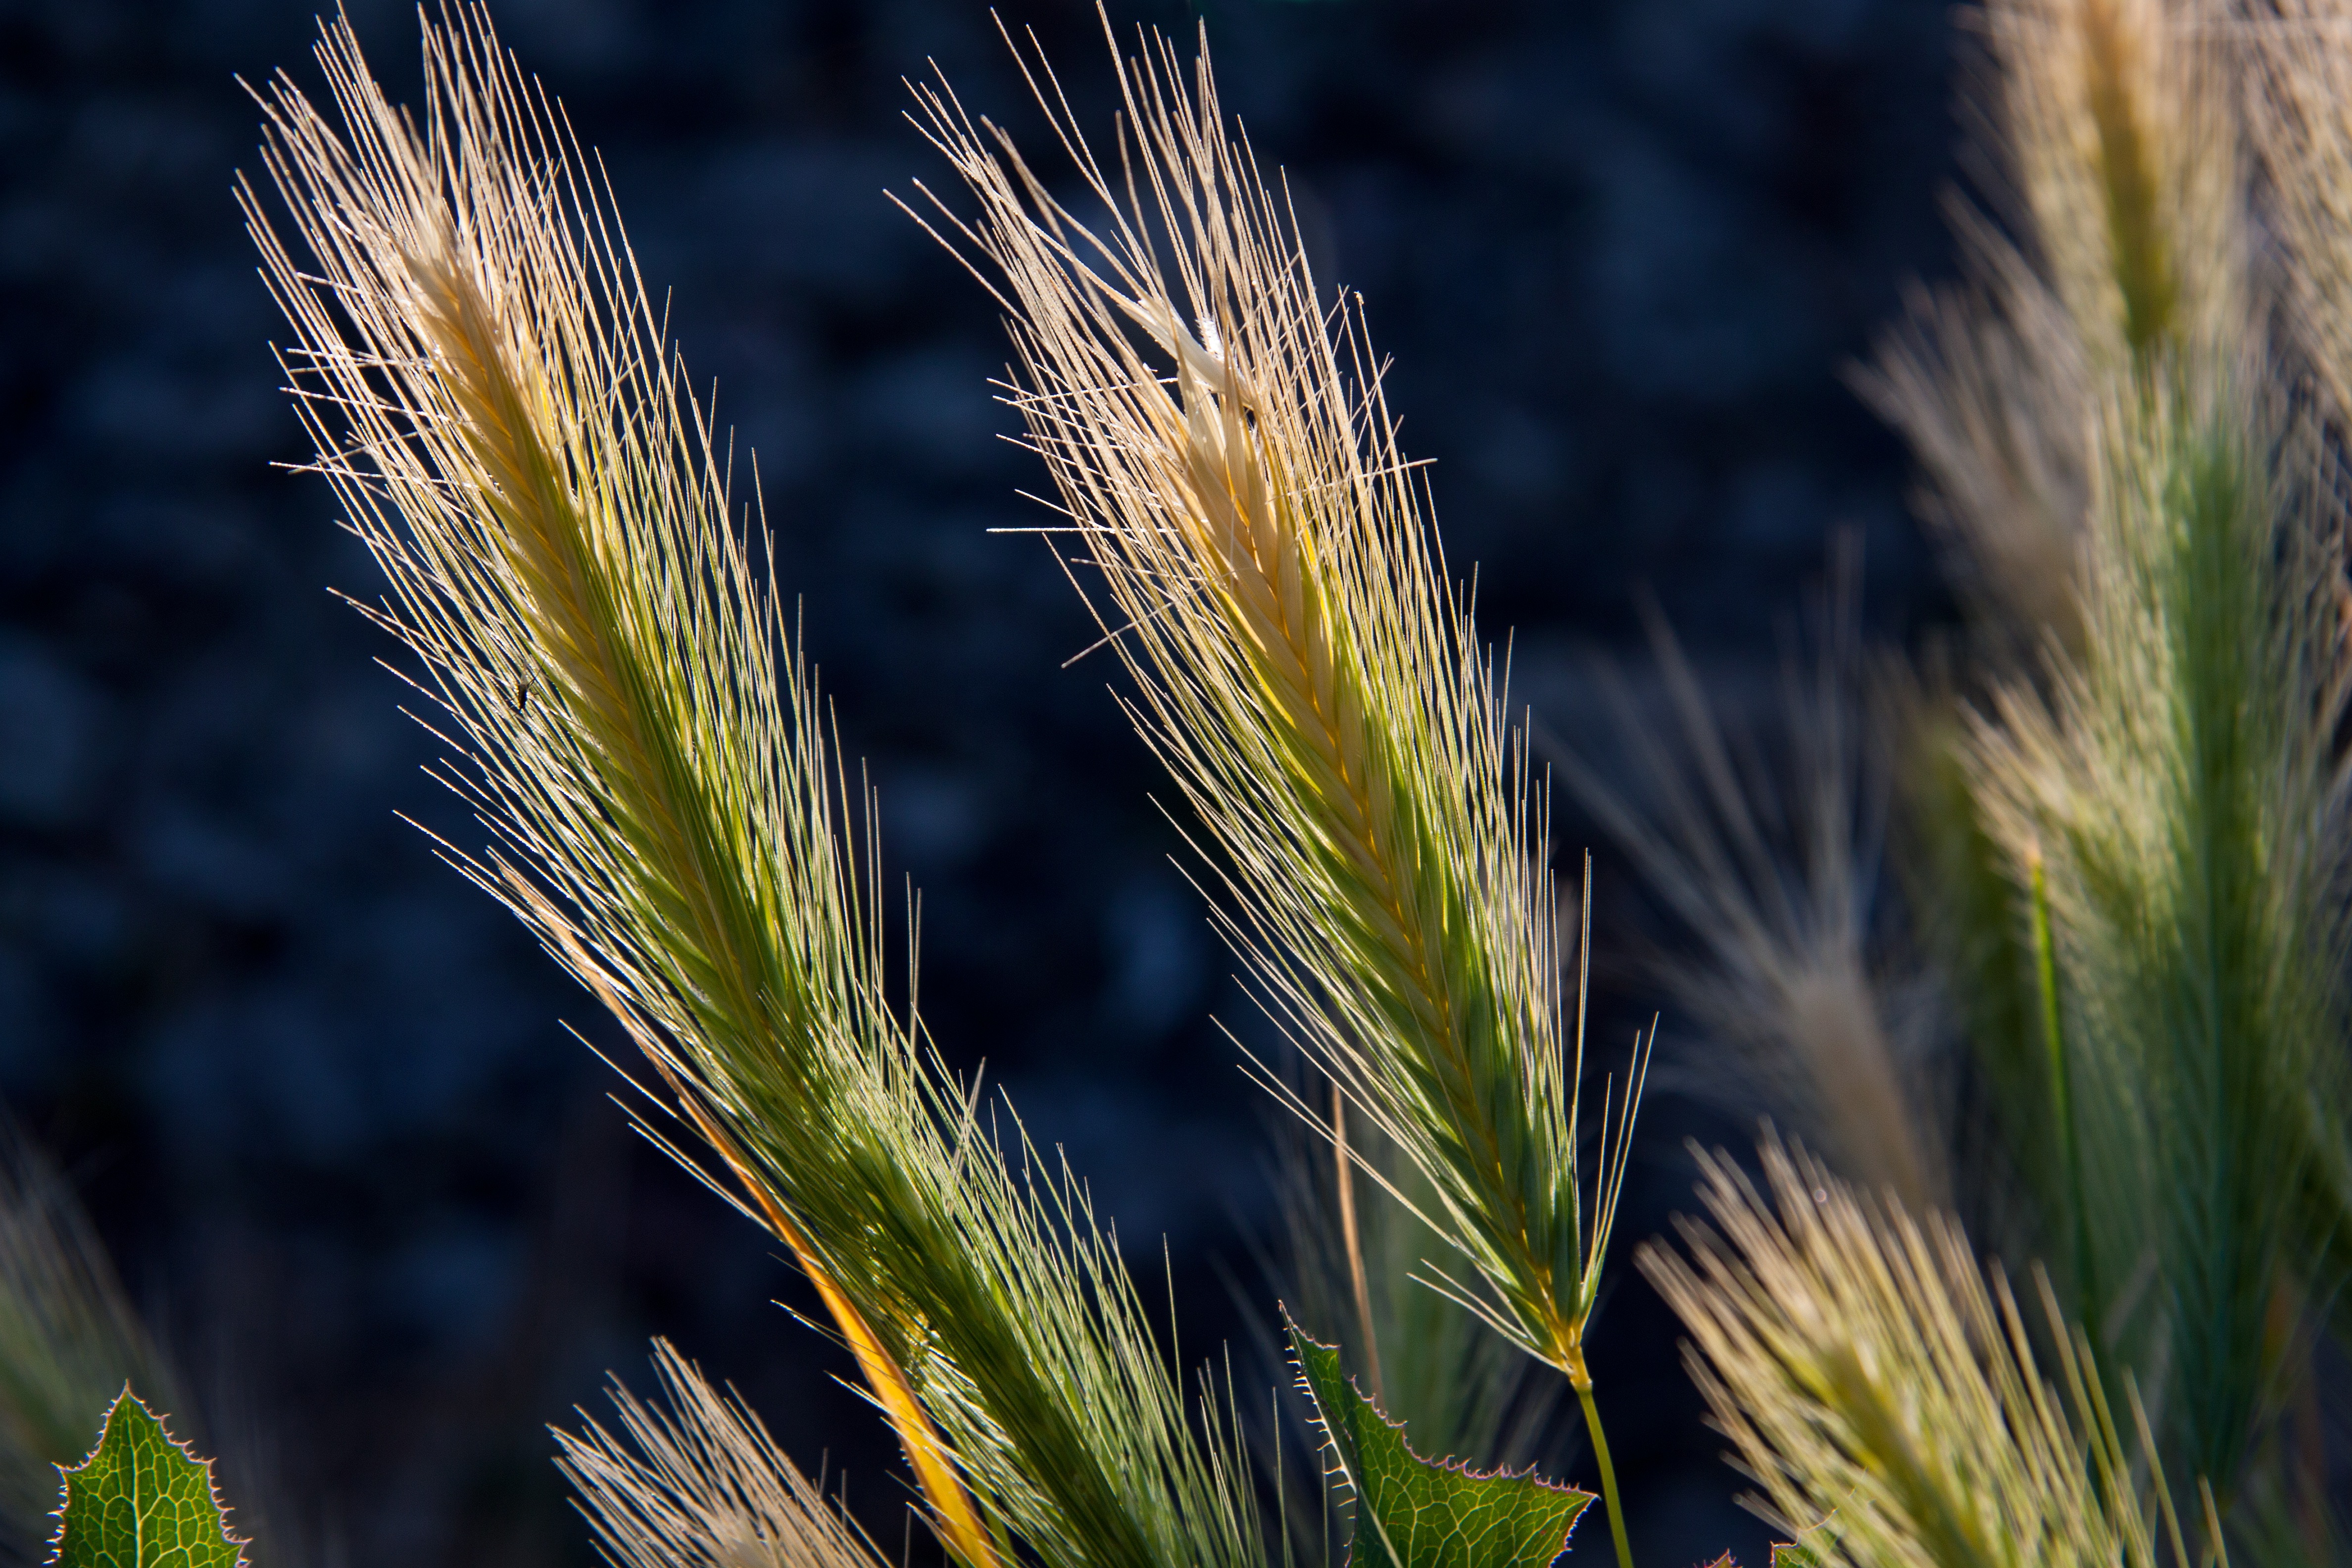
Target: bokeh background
(319, 1093)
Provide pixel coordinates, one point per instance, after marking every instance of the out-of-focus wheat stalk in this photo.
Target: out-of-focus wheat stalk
(2112, 166)
(2301, 128)
(1886, 1400)
(1775, 872)
(69, 1342)
(695, 1481)
(2176, 792)
(490, 393)
(2135, 843)
(1303, 665)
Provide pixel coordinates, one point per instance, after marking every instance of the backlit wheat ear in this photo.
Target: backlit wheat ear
(491, 397)
(1872, 1383)
(693, 1480)
(1303, 666)
(1302, 663)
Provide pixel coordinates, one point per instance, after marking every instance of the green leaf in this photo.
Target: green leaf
(1413, 1514)
(142, 1501)
(1805, 1552)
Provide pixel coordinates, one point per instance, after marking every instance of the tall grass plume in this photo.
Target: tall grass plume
(1305, 667)
(492, 397)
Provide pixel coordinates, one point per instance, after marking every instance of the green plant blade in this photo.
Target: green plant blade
(1412, 1513)
(142, 1501)
(1803, 1553)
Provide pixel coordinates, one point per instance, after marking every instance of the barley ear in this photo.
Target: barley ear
(1300, 659)
(490, 393)
(694, 1480)
(1864, 1367)
(1303, 664)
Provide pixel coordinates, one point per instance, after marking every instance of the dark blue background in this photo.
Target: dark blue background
(318, 1090)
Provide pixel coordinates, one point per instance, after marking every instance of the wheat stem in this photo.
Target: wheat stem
(1581, 1381)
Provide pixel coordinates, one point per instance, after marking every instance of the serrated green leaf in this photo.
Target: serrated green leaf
(142, 1501)
(1805, 1552)
(1412, 1513)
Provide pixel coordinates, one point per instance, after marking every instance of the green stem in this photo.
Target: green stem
(1583, 1386)
(2045, 973)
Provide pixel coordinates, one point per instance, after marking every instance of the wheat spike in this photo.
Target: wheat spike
(491, 396)
(1886, 1398)
(1301, 662)
(696, 1480)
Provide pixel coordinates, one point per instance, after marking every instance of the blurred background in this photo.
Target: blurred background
(319, 1093)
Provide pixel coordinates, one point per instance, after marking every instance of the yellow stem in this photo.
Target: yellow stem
(952, 1512)
(952, 1506)
(1346, 1173)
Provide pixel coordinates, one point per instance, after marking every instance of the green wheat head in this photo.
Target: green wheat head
(1887, 1397)
(2179, 788)
(694, 1479)
(491, 397)
(1302, 664)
